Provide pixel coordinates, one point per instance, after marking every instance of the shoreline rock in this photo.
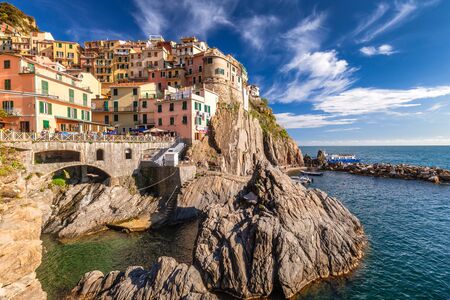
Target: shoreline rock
(400, 171)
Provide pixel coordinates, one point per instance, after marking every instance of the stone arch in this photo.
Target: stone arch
(100, 154)
(79, 171)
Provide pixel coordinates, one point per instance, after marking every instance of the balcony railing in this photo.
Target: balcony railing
(13, 112)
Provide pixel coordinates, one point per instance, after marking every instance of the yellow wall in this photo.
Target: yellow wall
(66, 48)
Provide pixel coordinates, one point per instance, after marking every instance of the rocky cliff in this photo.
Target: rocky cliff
(20, 229)
(17, 18)
(273, 234)
(239, 139)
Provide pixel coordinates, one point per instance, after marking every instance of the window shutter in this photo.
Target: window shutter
(82, 115)
(75, 113)
(41, 107)
(68, 112)
(49, 108)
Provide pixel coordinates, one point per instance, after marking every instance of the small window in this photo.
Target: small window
(100, 154)
(135, 90)
(184, 105)
(159, 108)
(172, 121)
(200, 68)
(185, 119)
(106, 119)
(115, 92)
(116, 118)
(144, 104)
(135, 118)
(85, 100)
(128, 154)
(7, 84)
(171, 107)
(159, 122)
(71, 95)
(7, 64)
(209, 60)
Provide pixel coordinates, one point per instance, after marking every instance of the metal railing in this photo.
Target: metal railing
(12, 136)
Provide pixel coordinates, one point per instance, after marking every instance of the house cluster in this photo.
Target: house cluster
(112, 85)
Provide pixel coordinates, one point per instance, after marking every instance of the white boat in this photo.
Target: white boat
(302, 179)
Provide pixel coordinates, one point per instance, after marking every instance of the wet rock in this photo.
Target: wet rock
(166, 279)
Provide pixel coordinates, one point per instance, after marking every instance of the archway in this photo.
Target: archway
(81, 174)
(100, 154)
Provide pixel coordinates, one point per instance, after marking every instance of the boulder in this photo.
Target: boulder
(289, 238)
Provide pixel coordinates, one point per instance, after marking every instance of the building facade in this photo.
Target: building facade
(37, 97)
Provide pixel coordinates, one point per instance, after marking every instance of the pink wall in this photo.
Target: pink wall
(183, 130)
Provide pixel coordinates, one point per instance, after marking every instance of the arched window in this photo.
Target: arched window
(128, 153)
(100, 154)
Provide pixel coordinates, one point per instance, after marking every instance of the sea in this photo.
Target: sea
(407, 224)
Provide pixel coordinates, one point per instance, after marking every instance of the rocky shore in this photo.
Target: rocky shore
(275, 235)
(401, 171)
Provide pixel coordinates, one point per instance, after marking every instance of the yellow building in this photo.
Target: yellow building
(130, 106)
(66, 53)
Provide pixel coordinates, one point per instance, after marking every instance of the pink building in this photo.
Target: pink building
(186, 112)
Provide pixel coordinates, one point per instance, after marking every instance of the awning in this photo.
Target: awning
(79, 121)
(154, 129)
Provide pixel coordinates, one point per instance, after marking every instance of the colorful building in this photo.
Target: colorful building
(129, 106)
(37, 97)
(66, 53)
(186, 112)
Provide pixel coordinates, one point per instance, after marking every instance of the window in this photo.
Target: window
(200, 68)
(106, 119)
(199, 78)
(135, 105)
(8, 106)
(159, 108)
(116, 118)
(100, 154)
(46, 124)
(128, 154)
(172, 121)
(171, 107)
(105, 105)
(190, 71)
(59, 45)
(7, 84)
(71, 95)
(72, 113)
(45, 108)
(85, 101)
(44, 87)
(82, 114)
(153, 74)
(115, 92)
(185, 120)
(209, 60)
(219, 71)
(116, 105)
(144, 118)
(135, 118)
(198, 121)
(88, 115)
(7, 64)
(159, 122)
(135, 91)
(184, 105)
(144, 104)
(193, 80)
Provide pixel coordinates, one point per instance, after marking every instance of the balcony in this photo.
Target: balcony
(13, 112)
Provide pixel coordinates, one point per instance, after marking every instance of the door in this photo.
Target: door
(24, 126)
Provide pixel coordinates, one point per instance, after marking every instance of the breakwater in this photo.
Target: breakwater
(401, 171)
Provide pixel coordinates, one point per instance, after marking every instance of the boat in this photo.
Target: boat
(343, 158)
(305, 180)
(312, 173)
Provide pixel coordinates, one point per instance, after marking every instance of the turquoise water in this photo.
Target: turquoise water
(407, 224)
(408, 227)
(438, 156)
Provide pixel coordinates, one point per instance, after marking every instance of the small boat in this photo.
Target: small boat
(343, 158)
(312, 173)
(302, 179)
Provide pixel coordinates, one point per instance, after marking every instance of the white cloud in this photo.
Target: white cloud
(291, 121)
(254, 30)
(187, 17)
(402, 11)
(368, 21)
(436, 107)
(309, 73)
(381, 50)
(343, 129)
(359, 101)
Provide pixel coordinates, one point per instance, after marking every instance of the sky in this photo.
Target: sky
(348, 72)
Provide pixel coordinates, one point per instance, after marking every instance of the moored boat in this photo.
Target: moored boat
(343, 158)
(312, 173)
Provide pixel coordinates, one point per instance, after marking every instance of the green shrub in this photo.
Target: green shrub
(59, 182)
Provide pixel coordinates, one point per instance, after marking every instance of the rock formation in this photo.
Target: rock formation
(240, 139)
(284, 236)
(167, 279)
(20, 230)
(401, 171)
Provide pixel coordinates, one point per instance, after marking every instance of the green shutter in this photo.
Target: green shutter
(44, 87)
(68, 112)
(82, 115)
(75, 113)
(49, 108)
(88, 116)
(46, 124)
(85, 100)
(41, 107)
(71, 95)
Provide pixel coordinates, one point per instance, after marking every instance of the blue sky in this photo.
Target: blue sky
(346, 72)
